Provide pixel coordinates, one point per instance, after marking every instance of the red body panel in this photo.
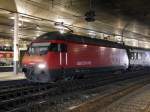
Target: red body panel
(53, 60)
(33, 59)
(84, 55)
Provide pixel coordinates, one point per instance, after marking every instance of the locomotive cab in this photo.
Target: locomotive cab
(41, 59)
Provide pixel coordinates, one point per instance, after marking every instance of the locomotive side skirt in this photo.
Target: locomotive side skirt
(53, 75)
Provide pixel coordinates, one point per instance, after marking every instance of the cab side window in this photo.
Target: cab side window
(58, 47)
(62, 48)
(53, 47)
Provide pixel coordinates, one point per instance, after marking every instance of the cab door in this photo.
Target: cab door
(63, 57)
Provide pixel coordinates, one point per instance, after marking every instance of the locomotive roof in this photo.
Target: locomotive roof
(137, 48)
(84, 39)
(78, 38)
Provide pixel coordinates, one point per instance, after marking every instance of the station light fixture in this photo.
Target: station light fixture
(92, 34)
(20, 24)
(118, 38)
(7, 44)
(61, 31)
(37, 34)
(22, 19)
(38, 27)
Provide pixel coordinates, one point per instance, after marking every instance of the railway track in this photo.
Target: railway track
(17, 99)
(13, 84)
(103, 101)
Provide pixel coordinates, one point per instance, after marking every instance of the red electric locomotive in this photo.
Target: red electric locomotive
(55, 56)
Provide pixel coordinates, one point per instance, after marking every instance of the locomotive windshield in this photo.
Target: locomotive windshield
(43, 48)
(38, 48)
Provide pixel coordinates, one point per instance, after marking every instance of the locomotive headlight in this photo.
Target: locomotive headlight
(41, 65)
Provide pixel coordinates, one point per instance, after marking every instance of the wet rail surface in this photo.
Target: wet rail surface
(18, 98)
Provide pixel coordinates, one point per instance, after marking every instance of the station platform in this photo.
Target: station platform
(5, 76)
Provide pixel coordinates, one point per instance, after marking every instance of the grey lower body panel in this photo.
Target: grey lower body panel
(52, 75)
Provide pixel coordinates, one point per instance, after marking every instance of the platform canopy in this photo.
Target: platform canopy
(129, 18)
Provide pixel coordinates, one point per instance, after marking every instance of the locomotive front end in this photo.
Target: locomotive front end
(34, 63)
